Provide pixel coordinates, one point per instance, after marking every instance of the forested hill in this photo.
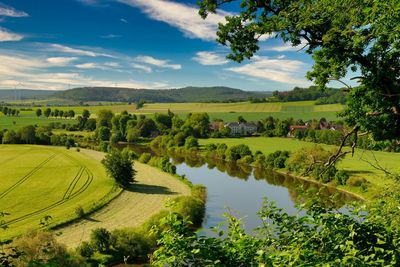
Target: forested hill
(187, 94)
(21, 94)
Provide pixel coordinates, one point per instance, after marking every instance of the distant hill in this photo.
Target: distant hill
(21, 94)
(187, 94)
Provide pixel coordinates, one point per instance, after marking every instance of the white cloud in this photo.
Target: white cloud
(158, 62)
(87, 66)
(286, 47)
(61, 61)
(144, 68)
(76, 51)
(110, 36)
(182, 16)
(35, 73)
(7, 11)
(273, 69)
(101, 66)
(123, 20)
(6, 36)
(209, 58)
(112, 64)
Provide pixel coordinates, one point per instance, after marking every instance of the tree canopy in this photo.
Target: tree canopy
(358, 38)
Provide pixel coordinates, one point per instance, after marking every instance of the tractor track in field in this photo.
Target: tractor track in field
(26, 176)
(69, 194)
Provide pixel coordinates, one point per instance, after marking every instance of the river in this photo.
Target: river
(240, 190)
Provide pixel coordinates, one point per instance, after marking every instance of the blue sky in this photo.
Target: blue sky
(48, 44)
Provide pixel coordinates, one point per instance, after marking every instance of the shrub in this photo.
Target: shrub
(131, 244)
(145, 158)
(79, 212)
(356, 181)
(85, 250)
(245, 160)
(341, 177)
(100, 239)
(191, 142)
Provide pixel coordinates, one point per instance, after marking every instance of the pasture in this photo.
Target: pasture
(305, 110)
(358, 166)
(42, 186)
(27, 118)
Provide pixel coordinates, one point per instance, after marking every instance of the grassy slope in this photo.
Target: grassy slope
(132, 208)
(37, 181)
(355, 165)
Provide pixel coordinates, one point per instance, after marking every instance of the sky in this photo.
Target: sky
(154, 44)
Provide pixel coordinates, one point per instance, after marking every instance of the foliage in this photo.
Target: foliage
(277, 159)
(119, 166)
(282, 240)
(349, 36)
(236, 152)
(41, 249)
(191, 142)
(100, 239)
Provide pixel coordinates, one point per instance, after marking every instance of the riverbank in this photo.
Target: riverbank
(147, 197)
(360, 166)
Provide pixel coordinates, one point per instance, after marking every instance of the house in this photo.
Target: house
(324, 125)
(241, 128)
(294, 128)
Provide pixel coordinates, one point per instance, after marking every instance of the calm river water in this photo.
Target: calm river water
(240, 190)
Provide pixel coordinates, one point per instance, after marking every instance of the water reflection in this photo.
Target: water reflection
(242, 188)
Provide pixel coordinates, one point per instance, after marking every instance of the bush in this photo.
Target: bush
(79, 212)
(356, 181)
(100, 239)
(277, 159)
(145, 158)
(245, 160)
(341, 177)
(131, 244)
(85, 250)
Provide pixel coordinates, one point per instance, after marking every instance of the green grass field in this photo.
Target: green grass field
(356, 165)
(27, 118)
(39, 181)
(227, 111)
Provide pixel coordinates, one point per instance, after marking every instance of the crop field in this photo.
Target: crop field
(148, 196)
(227, 111)
(43, 186)
(359, 165)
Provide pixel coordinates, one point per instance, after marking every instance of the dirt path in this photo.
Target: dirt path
(132, 208)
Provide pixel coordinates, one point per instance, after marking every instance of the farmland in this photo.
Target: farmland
(305, 110)
(132, 208)
(357, 166)
(25, 118)
(43, 186)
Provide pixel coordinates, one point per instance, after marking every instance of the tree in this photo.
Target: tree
(349, 36)
(47, 112)
(119, 166)
(28, 134)
(140, 103)
(38, 112)
(71, 113)
(305, 239)
(100, 239)
(85, 114)
(103, 133)
(104, 118)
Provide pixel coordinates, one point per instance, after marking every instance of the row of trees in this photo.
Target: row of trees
(48, 112)
(9, 111)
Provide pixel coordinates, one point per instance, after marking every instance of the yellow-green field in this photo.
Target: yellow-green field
(305, 110)
(37, 182)
(357, 166)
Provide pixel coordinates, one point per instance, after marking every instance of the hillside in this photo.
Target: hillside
(22, 94)
(187, 94)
